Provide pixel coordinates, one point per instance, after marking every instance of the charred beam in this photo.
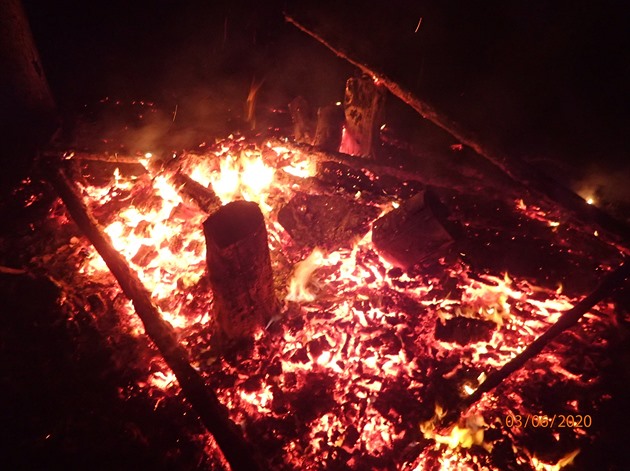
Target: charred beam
(353, 162)
(114, 159)
(204, 401)
(517, 169)
(415, 231)
(566, 321)
(204, 197)
(239, 267)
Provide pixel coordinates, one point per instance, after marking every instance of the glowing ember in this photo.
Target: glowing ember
(344, 371)
(564, 461)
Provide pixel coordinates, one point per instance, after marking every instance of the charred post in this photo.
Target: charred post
(239, 267)
(302, 119)
(328, 133)
(363, 109)
(212, 413)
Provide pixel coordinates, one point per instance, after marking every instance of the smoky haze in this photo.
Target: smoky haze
(546, 81)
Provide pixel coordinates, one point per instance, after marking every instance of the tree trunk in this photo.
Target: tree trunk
(27, 109)
(329, 123)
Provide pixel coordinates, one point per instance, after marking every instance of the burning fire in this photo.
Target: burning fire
(298, 287)
(471, 433)
(355, 350)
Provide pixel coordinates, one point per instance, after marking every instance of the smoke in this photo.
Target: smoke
(607, 187)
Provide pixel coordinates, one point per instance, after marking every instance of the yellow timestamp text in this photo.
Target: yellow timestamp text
(547, 421)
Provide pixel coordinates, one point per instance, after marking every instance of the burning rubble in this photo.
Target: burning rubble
(367, 350)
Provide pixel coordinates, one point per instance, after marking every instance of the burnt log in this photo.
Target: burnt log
(328, 132)
(212, 413)
(204, 197)
(363, 109)
(239, 269)
(302, 119)
(417, 230)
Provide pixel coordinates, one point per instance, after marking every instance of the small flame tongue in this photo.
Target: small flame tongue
(562, 462)
(299, 283)
(471, 433)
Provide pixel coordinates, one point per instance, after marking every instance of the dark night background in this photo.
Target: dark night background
(546, 81)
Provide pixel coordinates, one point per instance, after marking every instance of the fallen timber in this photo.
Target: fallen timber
(204, 401)
(517, 169)
(204, 197)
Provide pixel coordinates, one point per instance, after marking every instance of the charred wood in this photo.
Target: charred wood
(328, 132)
(204, 197)
(414, 232)
(517, 169)
(302, 119)
(347, 178)
(330, 222)
(115, 159)
(353, 162)
(363, 109)
(211, 412)
(239, 268)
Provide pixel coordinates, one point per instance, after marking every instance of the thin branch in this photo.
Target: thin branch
(12, 271)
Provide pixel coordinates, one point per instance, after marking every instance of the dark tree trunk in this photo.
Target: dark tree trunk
(240, 273)
(27, 109)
